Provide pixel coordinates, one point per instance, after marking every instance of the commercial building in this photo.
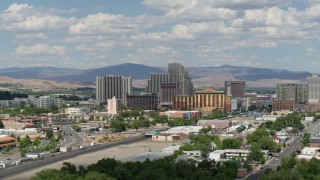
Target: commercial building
(143, 101)
(215, 124)
(279, 105)
(313, 88)
(6, 140)
(206, 100)
(312, 106)
(183, 129)
(232, 153)
(315, 141)
(114, 106)
(76, 111)
(113, 86)
(294, 91)
(180, 114)
(235, 89)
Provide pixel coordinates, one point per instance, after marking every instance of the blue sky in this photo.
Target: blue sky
(280, 34)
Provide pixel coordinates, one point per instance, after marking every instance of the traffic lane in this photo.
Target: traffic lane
(72, 139)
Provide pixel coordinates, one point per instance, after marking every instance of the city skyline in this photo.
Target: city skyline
(90, 34)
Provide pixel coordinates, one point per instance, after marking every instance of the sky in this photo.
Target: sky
(281, 34)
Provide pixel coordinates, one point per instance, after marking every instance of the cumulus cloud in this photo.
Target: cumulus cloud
(40, 50)
(24, 17)
(102, 23)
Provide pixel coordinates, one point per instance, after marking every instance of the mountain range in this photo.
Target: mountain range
(201, 76)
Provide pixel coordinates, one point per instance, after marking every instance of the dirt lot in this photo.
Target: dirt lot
(120, 153)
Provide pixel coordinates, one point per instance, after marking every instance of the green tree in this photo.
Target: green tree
(136, 124)
(8, 148)
(59, 136)
(1, 124)
(49, 134)
(25, 142)
(241, 128)
(36, 142)
(288, 162)
(231, 143)
(266, 143)
(117, 125)
(146, 123)
(97, 176)
(306, 139)
(18, 139)
(257, 135)
(216, 114)
(255, 153)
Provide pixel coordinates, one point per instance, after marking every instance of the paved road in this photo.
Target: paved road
(6, 173)
(294, 145)
(71, 137)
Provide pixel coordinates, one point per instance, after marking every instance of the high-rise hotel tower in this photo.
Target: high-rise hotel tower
(113, 86)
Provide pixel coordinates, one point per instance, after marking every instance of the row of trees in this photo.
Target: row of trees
(6, 95)
(29, 110)
(291, 120)
(165, 168)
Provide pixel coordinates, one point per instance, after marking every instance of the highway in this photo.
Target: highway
(294, 145)
(71, 138)
(11, 171)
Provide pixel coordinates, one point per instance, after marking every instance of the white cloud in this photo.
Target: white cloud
(40, 50)
(24, 17)
(102, 23)
(157, 50)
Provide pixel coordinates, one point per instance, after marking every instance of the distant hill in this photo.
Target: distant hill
(201, 76)
(136, 71)
(259, 77)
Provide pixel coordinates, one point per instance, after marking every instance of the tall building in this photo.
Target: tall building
(286, 92)
(313, 88)
(180, 76)
(176, 75)
(113, 86)
(235, 89)
(101, 89)
(302, 93)
(167, 93)
(294, 91)
(156, 79)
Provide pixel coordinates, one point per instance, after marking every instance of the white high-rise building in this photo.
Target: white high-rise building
(113, 86)
(313, 88)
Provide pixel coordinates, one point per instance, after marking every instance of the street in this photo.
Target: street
(293, 147)
(71, 138)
